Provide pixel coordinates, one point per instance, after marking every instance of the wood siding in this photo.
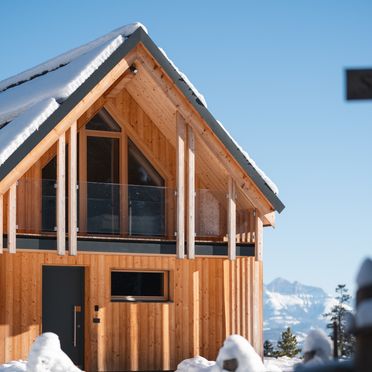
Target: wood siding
(210, 298)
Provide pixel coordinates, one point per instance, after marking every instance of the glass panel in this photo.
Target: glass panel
(146, 210)
(138, 284)
(49, 176)
(103, 199)
(103, 121)
(146, 196)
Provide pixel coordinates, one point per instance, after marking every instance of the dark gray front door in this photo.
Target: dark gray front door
(63, 308)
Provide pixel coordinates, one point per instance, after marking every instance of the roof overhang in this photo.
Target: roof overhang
(140, 36)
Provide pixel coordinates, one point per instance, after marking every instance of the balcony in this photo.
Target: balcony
(117, 212)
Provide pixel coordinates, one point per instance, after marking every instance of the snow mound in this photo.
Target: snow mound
(281, 364)
(46, 355)
(237, 347)
(364, 278)
(14, 366)
(319, 343)
(197, 364)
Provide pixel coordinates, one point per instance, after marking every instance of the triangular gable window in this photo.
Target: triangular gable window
(103, 121)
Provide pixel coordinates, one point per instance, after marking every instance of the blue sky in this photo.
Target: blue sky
(273, 73)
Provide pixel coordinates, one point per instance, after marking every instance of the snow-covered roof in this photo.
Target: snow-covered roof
(28, 99)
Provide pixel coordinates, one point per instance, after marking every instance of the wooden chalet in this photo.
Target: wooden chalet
(132, 223)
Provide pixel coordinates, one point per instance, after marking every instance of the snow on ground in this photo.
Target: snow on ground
(14, 366)
(282, 364)
(237, 347)
(45, 355)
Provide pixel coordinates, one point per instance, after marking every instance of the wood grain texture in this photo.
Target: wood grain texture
(205, 294)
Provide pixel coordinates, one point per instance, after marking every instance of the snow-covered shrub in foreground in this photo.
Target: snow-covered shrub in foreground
(235, 350)
(237, 347)
(318, 345)
(46, 355)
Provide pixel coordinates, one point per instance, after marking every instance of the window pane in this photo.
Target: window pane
(103, 121)
(137, 284)
(48, 202)
(146, 196)
(103, 185)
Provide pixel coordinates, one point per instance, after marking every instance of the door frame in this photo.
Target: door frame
(86, 314)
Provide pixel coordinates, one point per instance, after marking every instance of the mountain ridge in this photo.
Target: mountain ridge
(295, 305)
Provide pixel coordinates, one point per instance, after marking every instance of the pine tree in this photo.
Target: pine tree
(287, 345)
(268, 349)
(345, 341)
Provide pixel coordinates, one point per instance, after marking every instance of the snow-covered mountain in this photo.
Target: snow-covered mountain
(294, 305)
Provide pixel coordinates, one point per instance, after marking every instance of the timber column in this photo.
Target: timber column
(258, 288)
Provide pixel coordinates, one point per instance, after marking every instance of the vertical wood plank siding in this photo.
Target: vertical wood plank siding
(210, 298)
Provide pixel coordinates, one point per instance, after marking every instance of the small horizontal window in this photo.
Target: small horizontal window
(139, 285)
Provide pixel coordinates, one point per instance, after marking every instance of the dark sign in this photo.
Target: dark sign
(358, 84)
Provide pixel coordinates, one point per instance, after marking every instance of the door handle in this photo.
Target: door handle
(77, 309)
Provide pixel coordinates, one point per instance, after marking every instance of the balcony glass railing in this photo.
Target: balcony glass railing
(103, 209)
(116, 210)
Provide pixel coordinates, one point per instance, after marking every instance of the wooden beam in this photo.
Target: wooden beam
(180, 174)
(231, 219)
(249, 189)
(12, 218)
(61, 195)
(269, 219)
(120, 85)
(191, 194)
(1, 223)
(65, 123)
(72, 201)
(259, 238)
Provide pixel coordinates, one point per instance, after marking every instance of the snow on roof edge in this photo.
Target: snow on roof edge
(59, 83)
(68, 56)
(186, 79)
(12, 136)
(273, 187)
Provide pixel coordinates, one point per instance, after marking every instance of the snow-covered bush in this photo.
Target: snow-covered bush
(236, 351)
(317, 348)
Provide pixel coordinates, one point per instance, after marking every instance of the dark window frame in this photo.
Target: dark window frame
(130, 298)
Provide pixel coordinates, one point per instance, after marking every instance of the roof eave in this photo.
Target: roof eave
(140, 36)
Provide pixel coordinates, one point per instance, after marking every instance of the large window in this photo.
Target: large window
(139, 285)
(103, 188)
(48, 201)
(146, 195)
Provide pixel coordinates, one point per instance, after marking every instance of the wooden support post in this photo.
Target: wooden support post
(72, 206)
(231, 219)
(191, 194)
(258, 286)
(258, 237)
(1, 223)
(12, 218)
(180, 172)
(61, 195)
